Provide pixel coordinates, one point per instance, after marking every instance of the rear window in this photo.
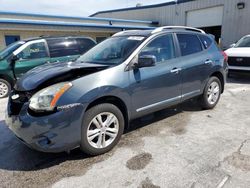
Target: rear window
(84, 44)
(189, 44)
(206, 41)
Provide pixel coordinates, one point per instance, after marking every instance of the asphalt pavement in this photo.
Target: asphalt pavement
(183, 146)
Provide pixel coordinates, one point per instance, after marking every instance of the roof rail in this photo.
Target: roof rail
(159, 29)
(122, 32)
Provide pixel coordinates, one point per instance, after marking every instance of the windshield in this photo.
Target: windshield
(9, 49)
(112, 51)
(244, 42)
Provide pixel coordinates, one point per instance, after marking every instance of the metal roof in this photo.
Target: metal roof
(79, 18)
(143, 7)
(70, 24)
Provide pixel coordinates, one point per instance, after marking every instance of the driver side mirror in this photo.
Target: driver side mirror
(146, 61)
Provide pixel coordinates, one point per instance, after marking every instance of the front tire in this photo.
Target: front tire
(102, 128)
(211, 94)
(5, 88)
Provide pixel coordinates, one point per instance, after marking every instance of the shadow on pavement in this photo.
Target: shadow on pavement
(189, 106)
(15, 156)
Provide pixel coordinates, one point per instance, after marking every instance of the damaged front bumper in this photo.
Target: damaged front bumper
(56, 132)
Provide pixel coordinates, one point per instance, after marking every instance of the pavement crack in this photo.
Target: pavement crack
(238, 159)
(219, 164)
(241, 145)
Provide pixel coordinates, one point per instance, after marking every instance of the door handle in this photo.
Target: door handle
(175, 70)
(208, 62)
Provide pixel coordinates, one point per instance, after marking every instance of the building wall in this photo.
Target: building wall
(33, 33)
(235, 23)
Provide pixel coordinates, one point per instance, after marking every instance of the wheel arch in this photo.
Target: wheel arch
(8, 79)
(220, 76)
(115, 101)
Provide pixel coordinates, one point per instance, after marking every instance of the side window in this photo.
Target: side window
(189, 44)
(206, 41)
(84, 44)
(33, 51)
(162, 48)
(62, 47)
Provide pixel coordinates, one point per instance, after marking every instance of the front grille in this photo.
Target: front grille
(17, 104)
(239, 61)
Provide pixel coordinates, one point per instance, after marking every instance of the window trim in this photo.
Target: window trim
(201, 44)
(155, 37)
(21, 48)
(204, 48)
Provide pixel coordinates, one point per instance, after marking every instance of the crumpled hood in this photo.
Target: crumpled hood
(55, 71)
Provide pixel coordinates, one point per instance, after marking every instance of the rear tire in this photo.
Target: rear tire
(5, 88)
(211, 94)
(102, 128)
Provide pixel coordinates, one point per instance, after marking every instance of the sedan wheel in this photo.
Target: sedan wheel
(102, 128)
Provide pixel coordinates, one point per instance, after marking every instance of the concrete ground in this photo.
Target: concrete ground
(178, 147)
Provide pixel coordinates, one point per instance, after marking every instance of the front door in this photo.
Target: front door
(33, 54)
(156, 87)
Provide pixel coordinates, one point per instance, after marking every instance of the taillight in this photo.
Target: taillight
(225, 56)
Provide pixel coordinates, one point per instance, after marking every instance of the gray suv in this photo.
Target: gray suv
(89, 102)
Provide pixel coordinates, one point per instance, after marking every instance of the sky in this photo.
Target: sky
(69, 7)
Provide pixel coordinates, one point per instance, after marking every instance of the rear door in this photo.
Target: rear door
(195, 63)
(30, 55)
(156, 87)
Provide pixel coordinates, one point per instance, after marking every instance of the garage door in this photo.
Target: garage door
(205, 17)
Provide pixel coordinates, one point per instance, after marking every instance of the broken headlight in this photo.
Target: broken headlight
(46, 99)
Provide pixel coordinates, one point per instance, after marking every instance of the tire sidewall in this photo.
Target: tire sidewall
(206, 104)
(9, 88)
(89, 115)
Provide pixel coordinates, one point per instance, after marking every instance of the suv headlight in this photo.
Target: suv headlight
(46, 99)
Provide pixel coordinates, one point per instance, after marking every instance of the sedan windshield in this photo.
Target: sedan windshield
(244, 42)
(112, 51)
(10, 49)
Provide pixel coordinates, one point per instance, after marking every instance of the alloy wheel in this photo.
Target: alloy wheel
(102, 130)
(4, 90)
(213, 93)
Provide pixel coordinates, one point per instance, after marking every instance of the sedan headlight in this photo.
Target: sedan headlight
(46, 99)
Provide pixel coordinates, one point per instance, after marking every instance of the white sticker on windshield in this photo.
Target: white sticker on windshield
(135, 38)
